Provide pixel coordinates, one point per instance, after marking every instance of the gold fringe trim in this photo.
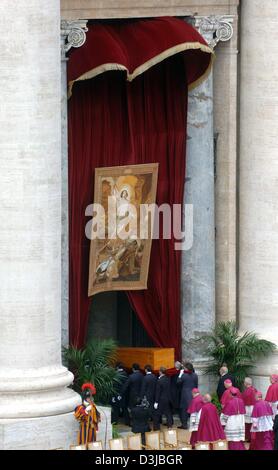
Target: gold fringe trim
(94, 72)
(147, 65)
(203, 77)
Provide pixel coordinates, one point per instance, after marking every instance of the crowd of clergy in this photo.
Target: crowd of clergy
(245, 416)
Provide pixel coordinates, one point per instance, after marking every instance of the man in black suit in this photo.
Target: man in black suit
(119, 405)
(148, 385)
(132, 387)
(162, 405)
(187, 380)
(224, 375)
(140, 416)
(175, 389)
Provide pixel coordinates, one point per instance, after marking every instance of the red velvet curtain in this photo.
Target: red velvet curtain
(136, 45)
(113, 122)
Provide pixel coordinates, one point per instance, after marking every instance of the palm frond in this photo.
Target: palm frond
(238, 352)
(216, 402)
(94, 363)
(102, 351)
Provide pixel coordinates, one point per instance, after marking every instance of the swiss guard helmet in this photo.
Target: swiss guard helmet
(88, 390)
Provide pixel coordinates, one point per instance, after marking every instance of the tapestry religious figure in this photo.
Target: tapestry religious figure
(121, 228)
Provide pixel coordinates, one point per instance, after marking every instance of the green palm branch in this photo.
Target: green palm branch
(239, 352)
(94, 363)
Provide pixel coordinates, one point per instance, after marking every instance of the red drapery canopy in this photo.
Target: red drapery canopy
(134, 46)
(116, 120)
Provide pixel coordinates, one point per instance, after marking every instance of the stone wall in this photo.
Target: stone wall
(78, 9)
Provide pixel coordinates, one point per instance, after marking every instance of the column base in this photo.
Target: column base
(105, 427)
(263, 370)
(207, 383)
(35, 393)
(44, 433)
(50, 432)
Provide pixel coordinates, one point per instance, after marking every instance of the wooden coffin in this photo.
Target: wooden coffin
(156, 357)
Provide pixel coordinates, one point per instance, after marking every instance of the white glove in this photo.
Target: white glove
(88, 408)
(113, 400)
(119, 397)
(155, 406)
(181, 373)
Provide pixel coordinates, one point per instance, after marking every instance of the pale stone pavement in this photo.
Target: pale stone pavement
(183, 434)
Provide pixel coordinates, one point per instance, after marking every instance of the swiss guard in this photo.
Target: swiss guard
(87, 415)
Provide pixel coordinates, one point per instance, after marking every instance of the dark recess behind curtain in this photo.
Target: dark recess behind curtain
(113, 122)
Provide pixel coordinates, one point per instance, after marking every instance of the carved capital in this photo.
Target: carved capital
(214, 29)
(73, 34)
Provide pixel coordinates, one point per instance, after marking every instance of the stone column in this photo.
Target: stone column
(225, 102)
(73, 34)
(258, 237)
(198, 263)
(35, 404)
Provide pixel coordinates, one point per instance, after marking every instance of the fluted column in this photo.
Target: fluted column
(73, 34)
(34, 398)
(258, 236)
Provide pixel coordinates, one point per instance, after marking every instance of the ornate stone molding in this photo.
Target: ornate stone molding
(215, 29)
(73, 34)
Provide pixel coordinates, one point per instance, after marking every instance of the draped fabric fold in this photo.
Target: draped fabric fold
(134, 46)
(116, 122)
